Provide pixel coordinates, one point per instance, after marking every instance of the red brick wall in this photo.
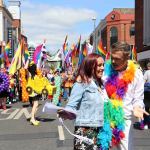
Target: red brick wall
(123, 23)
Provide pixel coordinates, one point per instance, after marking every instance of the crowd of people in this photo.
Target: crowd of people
(105, 95)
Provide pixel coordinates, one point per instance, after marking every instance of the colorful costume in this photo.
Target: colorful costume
(38, 85)
(56, 96)
(4, 84)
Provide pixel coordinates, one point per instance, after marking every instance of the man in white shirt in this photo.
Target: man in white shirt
(134, 95)
(147, 73)
(147, 95)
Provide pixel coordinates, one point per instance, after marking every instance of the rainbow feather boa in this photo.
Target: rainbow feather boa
(116, 87)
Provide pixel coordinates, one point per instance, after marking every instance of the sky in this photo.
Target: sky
(54, 19)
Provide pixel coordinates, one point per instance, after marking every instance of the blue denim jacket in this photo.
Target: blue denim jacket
(86, 101)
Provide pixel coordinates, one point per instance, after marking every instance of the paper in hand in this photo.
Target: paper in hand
(50, 108)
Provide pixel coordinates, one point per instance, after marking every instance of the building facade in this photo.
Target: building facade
(118, 25)
(97, 34)
(6, 21)
(10, 24)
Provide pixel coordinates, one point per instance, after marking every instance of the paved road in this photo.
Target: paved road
(16, 133)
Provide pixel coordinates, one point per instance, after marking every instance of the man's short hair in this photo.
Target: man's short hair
(121, 46)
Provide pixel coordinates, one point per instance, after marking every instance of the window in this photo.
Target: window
(113, 35)
(132, 31)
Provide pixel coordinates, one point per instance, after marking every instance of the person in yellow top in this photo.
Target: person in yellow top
(34, 96)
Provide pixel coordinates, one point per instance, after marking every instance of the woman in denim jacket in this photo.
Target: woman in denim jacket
(87, 101)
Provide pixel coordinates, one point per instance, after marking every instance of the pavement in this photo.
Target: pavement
(16, 132)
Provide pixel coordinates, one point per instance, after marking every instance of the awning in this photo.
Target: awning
(143, 55)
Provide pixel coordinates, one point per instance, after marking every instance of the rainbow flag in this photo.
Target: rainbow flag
(5, 53)
(101, 50)
(85, 50)
(37, 53)
(134, 53)
(65, 45)
(16, 61)
(8, 48)
(26, 54)
(78, 47)
(73, 54)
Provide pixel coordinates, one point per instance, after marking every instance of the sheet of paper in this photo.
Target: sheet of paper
(50, 108)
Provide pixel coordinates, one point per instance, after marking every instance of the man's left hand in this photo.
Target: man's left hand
(139, 112)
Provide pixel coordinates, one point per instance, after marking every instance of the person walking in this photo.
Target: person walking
(34, 97)
(87, 101)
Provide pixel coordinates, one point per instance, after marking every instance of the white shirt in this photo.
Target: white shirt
(134, 95)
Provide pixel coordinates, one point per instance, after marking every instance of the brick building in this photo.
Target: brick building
(118, 25)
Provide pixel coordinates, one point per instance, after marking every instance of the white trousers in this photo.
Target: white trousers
(127, 142)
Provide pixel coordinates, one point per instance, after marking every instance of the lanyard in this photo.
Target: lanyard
(81, 138)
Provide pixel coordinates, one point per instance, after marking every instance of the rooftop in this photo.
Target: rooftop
(125, 10)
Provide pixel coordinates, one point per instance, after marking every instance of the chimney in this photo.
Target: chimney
(14, 8)
(1, 3)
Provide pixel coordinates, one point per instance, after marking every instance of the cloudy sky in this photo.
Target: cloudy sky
(54, 19)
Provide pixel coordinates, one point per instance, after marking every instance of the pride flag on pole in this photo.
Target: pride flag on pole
(37, 53)
(8, 48)
(16, 61)
(26, 54)
(101, 50)
(4, 55)
(78, 47)
(65, 45)
(134, 53)
(85, 50)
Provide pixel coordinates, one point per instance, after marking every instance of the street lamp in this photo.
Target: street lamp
(94, 32)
